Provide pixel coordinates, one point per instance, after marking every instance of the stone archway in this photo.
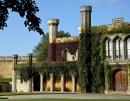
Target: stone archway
(120, 80)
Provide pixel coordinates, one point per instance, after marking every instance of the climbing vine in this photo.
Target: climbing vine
(96, 66)
(55, 50)
(106, 74)
(128, 65)
(85, 62)
(91, 67)
(58, 68)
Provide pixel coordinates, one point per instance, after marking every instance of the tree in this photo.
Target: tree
(25, 8)
(41, 50)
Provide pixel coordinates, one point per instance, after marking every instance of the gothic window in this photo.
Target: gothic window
(108, 49)
(128, 47)
(118, 48)
(65, 55)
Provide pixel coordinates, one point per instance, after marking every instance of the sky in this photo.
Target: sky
(16, 39)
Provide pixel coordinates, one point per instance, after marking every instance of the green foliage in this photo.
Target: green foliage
(106, 74)
(96, 66)
(41, 50)
(5, 79)
(25, 71)
(124, 28)
(85, 62)
(45, 68)
(128, 65)
(24, 8)
(102, 46)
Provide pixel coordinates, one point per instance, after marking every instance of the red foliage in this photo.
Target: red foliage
(55, 50)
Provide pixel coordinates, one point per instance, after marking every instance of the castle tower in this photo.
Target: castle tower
(86, 17)
(53, 29)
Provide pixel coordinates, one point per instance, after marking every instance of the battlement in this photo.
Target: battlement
(86, 8)
(20, 58)
(53, 21)
(67, 39)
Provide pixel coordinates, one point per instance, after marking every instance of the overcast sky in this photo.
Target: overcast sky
(16, 39)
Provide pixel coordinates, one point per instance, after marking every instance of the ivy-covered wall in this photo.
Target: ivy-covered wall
(97, 68)
(55, 50)
(91, 68)
(85, 62)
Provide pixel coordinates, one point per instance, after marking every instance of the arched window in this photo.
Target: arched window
(108, 49)
(118, 48)
(65, 55)
(128, 47)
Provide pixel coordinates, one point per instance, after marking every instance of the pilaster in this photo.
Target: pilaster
(62, 83)
(14, 74)
(113, 51)
(41, 83)
(51, 82)
(73, 84)
(29, 82)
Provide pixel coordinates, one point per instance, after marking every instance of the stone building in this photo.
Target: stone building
(117, 54)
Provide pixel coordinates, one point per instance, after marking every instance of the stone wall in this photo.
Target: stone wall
(6, 65)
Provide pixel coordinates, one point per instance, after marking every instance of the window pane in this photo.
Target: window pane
(121, 48)
(128, 47)
(110, 48)
(117, 48)
(106, 48)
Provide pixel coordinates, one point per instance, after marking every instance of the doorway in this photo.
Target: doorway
(120, 80)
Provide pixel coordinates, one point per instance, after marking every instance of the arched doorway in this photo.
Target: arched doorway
(120, 80)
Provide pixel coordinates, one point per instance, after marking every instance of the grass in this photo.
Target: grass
(66, 100)
(30, 93)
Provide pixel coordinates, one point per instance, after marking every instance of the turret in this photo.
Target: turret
(86, 17)
(53, 29)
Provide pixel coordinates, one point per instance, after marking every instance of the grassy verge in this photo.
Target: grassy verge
(30, 93)
(67, 100)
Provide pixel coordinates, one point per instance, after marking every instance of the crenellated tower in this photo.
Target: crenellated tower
(86, 17)
(53, 29)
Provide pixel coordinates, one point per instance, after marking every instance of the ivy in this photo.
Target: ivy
(106, 74)
(124, 28)
(85, 62)
(45, 68)
(5, 79)
(55, 50)
(91, 68)
(128, 65)
(96, 66)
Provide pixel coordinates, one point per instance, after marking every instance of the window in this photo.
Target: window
(128, 48)
(119, 48)
(108, 49)
(65, 55)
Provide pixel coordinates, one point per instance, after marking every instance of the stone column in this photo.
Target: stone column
(62, 83)
(41, 82)
(123, 57)
(32, 84)
(73, 84)
(29, 82)
(51, 82)
(113, 51)
(14, 74)
(128, 88)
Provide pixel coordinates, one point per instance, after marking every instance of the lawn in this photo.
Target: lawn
(66, 100)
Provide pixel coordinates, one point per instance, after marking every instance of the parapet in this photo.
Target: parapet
(53, 21)
(86, 8)
(20, 58)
